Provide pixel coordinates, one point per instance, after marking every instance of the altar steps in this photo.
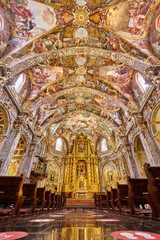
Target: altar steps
(80, 203)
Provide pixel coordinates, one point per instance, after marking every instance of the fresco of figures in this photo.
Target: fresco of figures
(134, 27)
(26, 22)
(30, 19)
(40, 78)
(81, 122)
(4, 32)
(125, 79)
(79, 101)
(155, 33)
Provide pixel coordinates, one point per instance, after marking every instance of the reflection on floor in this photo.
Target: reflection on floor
(80, 225)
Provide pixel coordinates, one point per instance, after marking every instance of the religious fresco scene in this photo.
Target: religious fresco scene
(80, 118)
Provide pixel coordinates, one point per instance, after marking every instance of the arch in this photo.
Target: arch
(104, 146)
(72, 90)
(104, 122)
(20, 82)
(18, 157)
(59, 144)
(140, 155)
(54, 54)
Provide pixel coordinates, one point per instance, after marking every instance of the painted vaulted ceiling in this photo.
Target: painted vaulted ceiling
(86, 62)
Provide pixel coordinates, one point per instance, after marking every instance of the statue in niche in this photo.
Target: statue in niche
(81, 148)
(52, 176)
(81, 168)
(110, 176)
(81, 185)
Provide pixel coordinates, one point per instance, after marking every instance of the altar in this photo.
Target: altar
(80, 194)
(81, 170)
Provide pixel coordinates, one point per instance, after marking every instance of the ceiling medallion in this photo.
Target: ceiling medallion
(81, 16)
(79, 100)
(81, 70)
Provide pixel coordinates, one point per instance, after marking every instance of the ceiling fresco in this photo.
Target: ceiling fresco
(85, 63)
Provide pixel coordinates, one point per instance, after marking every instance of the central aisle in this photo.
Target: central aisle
(79, 225)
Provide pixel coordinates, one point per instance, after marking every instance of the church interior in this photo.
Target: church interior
(79, 119)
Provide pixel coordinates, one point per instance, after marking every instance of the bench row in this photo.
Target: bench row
(140, 196)
(18, 198)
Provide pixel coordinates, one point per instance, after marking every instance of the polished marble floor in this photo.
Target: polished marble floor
(80, 225)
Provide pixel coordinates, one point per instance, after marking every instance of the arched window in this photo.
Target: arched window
(59, 144)
(104, 145)
(20, 82)
(1, 23)
(141, 82)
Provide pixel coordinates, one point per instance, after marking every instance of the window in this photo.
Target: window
(20, 82)
(141, 82)
(59, 144)
(104, 145)
(1, 23)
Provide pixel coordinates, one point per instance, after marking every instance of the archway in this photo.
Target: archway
(140, 155)
(18, 157)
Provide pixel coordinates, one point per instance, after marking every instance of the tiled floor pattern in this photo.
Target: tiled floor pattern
(79, 225)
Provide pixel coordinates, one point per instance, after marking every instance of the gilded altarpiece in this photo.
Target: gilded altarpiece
(81, 168)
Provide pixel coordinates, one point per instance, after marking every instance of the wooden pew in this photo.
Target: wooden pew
(52, 201)
(136, 198)
(40, 200)
(57, 201)
(102, 200)
(114, 199)
(63, 199)
(30, 200)
(11, 194)
(122, 194)
(153, 196)
(96, 199)
(47, 200)
(109, 206)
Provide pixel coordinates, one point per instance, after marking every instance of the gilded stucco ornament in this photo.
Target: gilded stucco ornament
(81, 16)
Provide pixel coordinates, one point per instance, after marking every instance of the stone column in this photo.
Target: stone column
(120, 173)
(128, 152)
(146, 149)
(9, 147)
(27, 167)
(155, 151)
(145, 137)
(23, 160)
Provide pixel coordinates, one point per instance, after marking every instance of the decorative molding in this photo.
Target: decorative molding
(58, 53)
